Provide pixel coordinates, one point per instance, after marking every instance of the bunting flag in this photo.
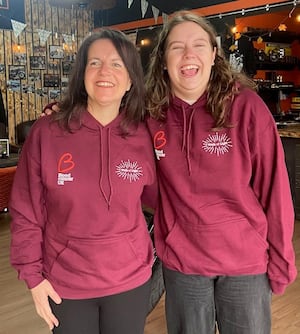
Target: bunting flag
(129, 3)
(68, 39)
(144, 7)
(155, 12)
(43, 35)
(165, 18)
(132, 37)
(18, 27)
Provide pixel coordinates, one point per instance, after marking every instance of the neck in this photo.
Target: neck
(104, 114)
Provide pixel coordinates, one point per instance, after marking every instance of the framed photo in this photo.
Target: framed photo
(17, 72)
(14, 85)
(39, 49)
(19, 58)
(56, 52)
(53, 66)
(66, 67)
(51, 80)
(4, 148)
(37, 62)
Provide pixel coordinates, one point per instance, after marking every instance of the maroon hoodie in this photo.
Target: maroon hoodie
(76, 208)
(225, 202)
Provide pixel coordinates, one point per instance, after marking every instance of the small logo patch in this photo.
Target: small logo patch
(218, 144)
(128, 170)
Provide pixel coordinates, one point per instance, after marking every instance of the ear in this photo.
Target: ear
(129, 86)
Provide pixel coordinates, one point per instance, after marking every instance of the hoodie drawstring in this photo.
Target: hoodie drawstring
(109, 196)
(186, 136)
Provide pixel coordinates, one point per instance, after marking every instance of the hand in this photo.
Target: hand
(40, 295)
(50, 108)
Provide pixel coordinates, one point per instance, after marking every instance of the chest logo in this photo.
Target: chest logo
(159, 142)
(218, 144)
(65, 165)
(128, 170)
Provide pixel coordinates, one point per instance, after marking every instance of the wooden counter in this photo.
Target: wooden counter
(290, 130)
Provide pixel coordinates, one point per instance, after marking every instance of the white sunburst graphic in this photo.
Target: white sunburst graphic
(128, 170)
(217, 144)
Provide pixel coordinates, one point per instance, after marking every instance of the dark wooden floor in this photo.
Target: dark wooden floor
(17, 313)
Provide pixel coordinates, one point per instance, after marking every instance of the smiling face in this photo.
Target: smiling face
(106, 77)
(189, 57)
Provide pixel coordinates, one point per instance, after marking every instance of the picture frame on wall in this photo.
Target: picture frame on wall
(4, 148)
(66, 67)
(51, 80)
(17, 72)
(37, 62)
(56, 52)
(40, 49)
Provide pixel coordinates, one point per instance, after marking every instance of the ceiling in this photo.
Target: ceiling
(122, 14)
(113, 12)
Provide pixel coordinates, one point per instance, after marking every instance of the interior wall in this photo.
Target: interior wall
(25, 98)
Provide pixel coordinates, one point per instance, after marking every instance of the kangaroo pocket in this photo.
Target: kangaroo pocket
(230, 247)
(100, 264)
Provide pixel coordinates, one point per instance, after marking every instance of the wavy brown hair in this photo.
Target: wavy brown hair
(223, 84)
(133, 102)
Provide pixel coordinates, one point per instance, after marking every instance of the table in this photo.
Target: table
(12, 160)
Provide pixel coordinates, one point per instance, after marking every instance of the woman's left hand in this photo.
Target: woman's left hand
(40, 295)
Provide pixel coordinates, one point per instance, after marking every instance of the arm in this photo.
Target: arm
(271, 185)
(27, 227)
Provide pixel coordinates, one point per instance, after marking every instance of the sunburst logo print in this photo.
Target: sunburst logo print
(218, 144)
(128, 170)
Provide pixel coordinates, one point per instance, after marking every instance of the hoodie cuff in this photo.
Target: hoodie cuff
(277, 288)
(32, 282)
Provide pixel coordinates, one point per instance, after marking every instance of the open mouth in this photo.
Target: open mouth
(104, 84)
(189, 70)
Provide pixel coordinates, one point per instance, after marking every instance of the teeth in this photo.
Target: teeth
(104, 84)
(190, 67)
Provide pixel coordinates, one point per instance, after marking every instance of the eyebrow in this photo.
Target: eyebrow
(97, 58)
(182, 42)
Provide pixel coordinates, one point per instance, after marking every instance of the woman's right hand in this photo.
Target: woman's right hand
(40, 295)
(50, 108)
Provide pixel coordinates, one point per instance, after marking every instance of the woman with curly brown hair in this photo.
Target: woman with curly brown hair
(224, 222)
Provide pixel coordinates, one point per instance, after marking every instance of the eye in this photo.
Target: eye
(117, 65)
(176, 46)
(94, 63)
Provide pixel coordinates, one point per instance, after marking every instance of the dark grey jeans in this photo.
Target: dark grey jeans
(236, 304)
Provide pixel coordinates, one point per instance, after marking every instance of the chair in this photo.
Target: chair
(22, 130)
(6, 180)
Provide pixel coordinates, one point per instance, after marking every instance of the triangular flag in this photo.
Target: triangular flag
(165, 18)
(43, 35)
(129, 3)
(132, 36)
(144, 7)
(68, 39)
(18, 27)
(155, 12)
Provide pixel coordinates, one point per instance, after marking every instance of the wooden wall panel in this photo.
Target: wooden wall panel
(28, 102)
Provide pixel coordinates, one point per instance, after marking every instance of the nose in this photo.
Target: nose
(188, 52)
(104, 68)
